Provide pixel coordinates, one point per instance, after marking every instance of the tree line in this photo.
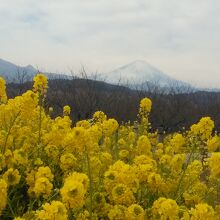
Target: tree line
(174, 108)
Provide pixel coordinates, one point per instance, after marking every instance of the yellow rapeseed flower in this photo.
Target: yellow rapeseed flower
(73, 190)
(67, 161)
(3, 195)
(213, 144)
(3, 96)
(43, 187)
(44, 172)
(135, 212)
(214, 162)
(54, 211)
(66, 110)
(40, 84)
(122, 195)
(12, 177)
(99, 116)
(117, 212)
(165, 209)
(203, 211)
(145, 105)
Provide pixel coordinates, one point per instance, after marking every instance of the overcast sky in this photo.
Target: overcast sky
(180, 37)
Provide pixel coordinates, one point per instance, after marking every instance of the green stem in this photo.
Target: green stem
(90, 184)
(9, 132)
(10, 207)
(116, 146)
(32, 204)
(182, 175)
(40, 120)
(54, 195)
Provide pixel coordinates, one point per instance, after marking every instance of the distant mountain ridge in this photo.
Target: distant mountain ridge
(11, 71)
(135, 75)
(15, 73)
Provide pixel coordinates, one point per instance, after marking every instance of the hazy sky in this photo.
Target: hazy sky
(180, 37)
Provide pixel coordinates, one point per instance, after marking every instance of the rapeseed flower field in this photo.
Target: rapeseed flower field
(99, 169)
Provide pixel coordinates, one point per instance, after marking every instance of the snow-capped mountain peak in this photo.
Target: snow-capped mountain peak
(139, 72)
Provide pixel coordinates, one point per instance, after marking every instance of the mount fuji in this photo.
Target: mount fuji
(139, 73)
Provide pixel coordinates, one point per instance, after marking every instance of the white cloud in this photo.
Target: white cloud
(179, 37)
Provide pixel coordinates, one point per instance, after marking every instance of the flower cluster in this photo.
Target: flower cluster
(3, 96)
(99, 169)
